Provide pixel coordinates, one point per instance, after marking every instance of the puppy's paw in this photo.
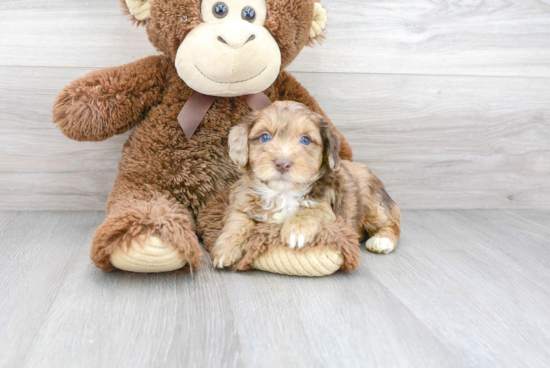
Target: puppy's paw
(226, 258)
(296, 233)
(228, 250)
(378, 244)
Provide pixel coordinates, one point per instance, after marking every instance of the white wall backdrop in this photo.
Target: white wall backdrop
(447, 101)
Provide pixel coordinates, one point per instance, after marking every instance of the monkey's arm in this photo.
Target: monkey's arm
(290, 89)
(110, 101)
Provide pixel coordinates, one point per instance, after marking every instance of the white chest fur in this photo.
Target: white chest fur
(280, 205)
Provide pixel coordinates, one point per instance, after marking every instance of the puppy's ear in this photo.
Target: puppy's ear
(331, 145)
(238, 141)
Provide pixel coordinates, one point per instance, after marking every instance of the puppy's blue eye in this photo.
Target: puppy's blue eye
(305, 140)
(265, 138)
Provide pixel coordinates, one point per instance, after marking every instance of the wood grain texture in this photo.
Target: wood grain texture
(446, 142)
(477, 288)
(445, 298)
(37, 253)
(435, 37)
(485, 37)
(436, 142)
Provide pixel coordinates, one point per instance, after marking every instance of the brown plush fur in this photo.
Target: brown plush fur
(301, 201)
(164, 179)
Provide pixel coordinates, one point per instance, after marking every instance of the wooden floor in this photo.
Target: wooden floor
(463, 289)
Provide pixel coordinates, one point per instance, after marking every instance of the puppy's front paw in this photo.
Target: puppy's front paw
(296, 233)
(228, 249)
(378, 244)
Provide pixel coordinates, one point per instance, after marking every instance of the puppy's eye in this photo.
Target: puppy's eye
(265, 138)
(249, 14)
(220, 10)
(305, 140)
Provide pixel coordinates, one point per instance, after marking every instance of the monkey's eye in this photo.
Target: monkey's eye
(249, 14)
(305, 140)
(265, 138)
(220, 10)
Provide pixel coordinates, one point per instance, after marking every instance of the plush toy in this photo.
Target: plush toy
(218, 61)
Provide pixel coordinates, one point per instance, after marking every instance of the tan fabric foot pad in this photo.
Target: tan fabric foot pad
(314, 262)
(149, 255)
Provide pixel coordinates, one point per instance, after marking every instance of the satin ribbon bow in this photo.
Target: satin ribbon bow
(198, 105)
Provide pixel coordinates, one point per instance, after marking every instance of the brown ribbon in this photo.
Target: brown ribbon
(257, 101)
(197, 106)
(193, 111)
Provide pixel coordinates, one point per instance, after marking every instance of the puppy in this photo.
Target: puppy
(293, 176)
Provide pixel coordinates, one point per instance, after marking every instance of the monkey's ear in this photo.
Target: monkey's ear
(319, 22)
(331, 145)
(238, 143)
(140, 10)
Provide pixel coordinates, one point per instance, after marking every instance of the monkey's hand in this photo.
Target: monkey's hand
(110, 101)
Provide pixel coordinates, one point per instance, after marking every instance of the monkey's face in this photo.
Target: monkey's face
(231, 53)
(229, 48)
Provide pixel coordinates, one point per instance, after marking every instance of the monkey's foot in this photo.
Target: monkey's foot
(310, 262)
(154, 236)
(147, 255)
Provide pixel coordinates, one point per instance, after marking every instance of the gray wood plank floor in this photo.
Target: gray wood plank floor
(463, 289)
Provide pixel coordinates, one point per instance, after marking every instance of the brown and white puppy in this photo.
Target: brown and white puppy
(293, 176)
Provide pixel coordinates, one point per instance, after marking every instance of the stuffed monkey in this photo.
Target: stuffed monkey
(217, 61)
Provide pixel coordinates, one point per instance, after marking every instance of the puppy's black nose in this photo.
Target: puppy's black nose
(283, 165)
